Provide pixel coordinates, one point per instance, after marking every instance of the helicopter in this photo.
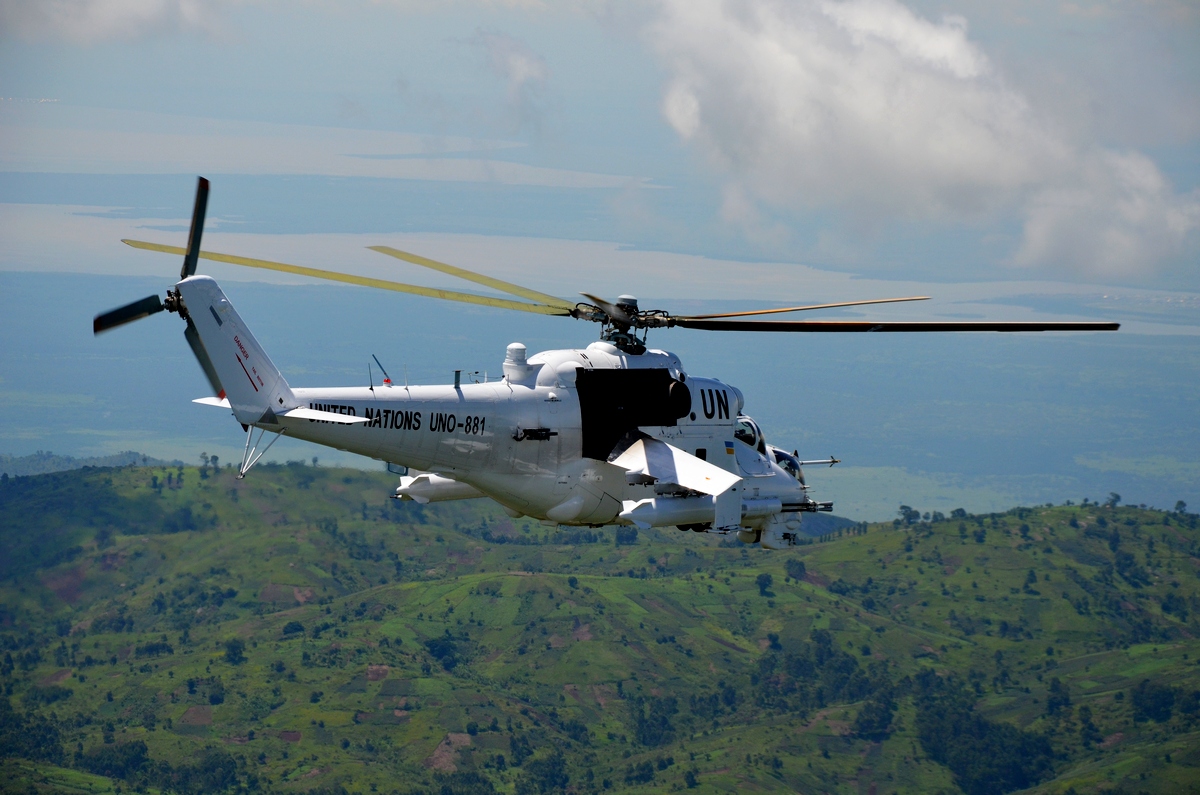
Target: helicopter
(614, 433)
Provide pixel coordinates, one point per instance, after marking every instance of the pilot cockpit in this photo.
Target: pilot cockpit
(788, 462)
(747, 431)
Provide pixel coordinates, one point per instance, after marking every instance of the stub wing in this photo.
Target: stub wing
(295, 414)
(322, 416)
(651, 460)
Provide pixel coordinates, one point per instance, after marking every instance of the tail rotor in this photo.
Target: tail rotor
(193, 250)
(147, 306)
(152, 304)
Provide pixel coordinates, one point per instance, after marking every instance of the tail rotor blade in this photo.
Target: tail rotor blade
(192, 257)
(198, 349)
(127, 314)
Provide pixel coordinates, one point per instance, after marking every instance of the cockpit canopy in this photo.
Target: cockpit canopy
(788, 462)
(747, 431)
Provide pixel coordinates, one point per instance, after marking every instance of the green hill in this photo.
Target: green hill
(177, 629)
(41, 462)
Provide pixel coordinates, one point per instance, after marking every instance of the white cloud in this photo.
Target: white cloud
(943, 46)
(93, 20)
(1117, 216)
(864, 106)
(524, 73)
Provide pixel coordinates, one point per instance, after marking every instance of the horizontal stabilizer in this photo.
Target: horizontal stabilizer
(656, 461)
(321, 416)
(213, 401)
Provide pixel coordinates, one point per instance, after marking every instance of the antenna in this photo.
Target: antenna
(370, 377)
(387, 381)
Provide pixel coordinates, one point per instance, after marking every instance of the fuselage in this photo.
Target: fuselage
(539, 440)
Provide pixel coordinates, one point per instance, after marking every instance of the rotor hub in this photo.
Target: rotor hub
(624, 339)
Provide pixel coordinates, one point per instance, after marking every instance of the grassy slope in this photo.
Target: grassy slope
(325, 547)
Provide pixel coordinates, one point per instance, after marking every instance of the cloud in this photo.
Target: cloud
(524, 73)
(1116, 216)
(95, 20)
(865, 107)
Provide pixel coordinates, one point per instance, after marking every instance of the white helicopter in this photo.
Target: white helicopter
(615, 433)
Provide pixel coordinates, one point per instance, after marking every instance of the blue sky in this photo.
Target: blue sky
(1014, 160)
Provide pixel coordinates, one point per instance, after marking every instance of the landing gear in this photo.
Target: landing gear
(251, 454)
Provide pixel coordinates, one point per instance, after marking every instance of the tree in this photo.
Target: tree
(1180, 507)
(795, 568)
(29, 736)
(651, 718)
(235, 651)
(1113, 501)
(986, 757)
(875, 718)
(764, 582)
(545, 775)
(1057, 697)
(1174, 603)
(1088, 733)
(445, 650)
(1152, 701)
(117, 761)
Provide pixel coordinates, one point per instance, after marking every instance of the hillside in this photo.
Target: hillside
(41, 462)
(174, 628)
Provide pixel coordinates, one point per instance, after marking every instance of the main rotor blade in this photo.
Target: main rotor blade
(867, 325)
(382, 284)
(471, 276)
(198, 211)
(127, 314)
(810, 306)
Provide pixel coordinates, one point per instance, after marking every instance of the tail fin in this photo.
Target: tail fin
(253, 384)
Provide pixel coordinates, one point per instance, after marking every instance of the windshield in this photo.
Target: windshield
(789, 463)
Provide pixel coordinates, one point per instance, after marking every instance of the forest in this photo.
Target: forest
(173, 629)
